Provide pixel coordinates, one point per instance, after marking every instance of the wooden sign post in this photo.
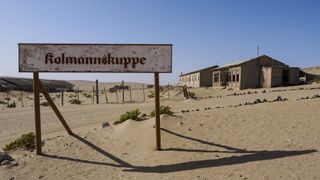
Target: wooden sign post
(157, 109)
(37, 111)
(124, 58)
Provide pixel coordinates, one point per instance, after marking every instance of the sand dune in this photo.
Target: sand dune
(215, 139)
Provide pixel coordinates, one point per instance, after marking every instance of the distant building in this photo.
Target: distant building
(26, 84)
(199, 78)
(260, 72)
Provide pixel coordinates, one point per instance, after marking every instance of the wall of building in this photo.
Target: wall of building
(294, 78)
(265, 78)
(253, 73)
(206, 78)
(250, 75)
(276, 76)
(234, 77)
(216, 78)
(190, 80)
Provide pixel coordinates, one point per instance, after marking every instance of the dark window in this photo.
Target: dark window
(234, 78)
(237, 77)
(285, 75)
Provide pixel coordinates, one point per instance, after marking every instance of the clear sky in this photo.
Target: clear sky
(203, 33)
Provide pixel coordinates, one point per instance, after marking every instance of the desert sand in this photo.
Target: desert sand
(215, 137)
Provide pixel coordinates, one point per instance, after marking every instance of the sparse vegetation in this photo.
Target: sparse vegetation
(45, 103)
(7, 99)
(151, 95)
(11, 104)
(191, 94)
(75, 101)
(26, 141)
(87, 95)
(163, 110)
(128, 115)
(3, 102)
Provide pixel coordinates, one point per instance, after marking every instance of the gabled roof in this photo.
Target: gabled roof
(208, 68)
(237, 63)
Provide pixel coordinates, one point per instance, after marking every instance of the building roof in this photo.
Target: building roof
(11, 82)
(237, 63)
(6, 85)
(208, 68)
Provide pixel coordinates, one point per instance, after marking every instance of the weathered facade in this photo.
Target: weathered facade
(199, 78)
(260, 72)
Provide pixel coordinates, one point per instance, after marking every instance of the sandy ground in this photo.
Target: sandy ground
(216, 139)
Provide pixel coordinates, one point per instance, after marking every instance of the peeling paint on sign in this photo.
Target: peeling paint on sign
(95, 58)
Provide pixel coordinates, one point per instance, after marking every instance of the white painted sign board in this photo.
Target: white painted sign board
(137, 58)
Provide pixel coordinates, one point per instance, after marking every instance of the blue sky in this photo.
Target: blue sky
(203, 32)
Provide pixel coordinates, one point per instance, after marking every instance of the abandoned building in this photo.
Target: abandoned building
(259, 72)
(26, 84)
(199, 78)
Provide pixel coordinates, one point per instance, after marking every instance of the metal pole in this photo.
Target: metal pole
(144, 96)
(157, 110)
(168, 90)
(122, 87)
(97, 91)
(78, 94)
(37, 112)
(130, 92)
(92, 94)
(21, 99)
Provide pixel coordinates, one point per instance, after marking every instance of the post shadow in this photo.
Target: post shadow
(249, 156)
(120, 162)
(231, 149)
(233, 160)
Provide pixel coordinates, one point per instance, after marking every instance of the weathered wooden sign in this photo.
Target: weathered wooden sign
(153, 58)
(95, 58)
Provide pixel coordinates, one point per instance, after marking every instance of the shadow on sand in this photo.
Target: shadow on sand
(120, 162)
(250, 156)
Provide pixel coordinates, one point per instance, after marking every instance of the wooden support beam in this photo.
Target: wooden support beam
(37, 112)
(97, 91)
(54, 107)
(105, 94)
(157, 110)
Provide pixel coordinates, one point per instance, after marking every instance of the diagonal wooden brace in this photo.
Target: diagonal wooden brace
(54, 107)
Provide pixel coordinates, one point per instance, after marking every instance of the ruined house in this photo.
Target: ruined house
(199, 78)
(259, 72)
